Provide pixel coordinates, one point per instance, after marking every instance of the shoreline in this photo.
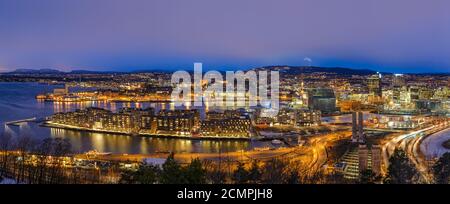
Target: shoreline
(109, 101)
(190, 137)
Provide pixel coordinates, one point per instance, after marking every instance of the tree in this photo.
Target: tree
(172, 172)
(5, 145)
(254, 173)
(240, 175)
(292, 177)
(274, 171)
(367, 177)
(194, 173)
(441, 170)
(145, 174)
(214, 174)
(60, 148)
(127, 177)
(400, 170)
(23, 144)
(332, 178)
(42, 151)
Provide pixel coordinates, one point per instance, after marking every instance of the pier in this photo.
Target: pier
(17, 122)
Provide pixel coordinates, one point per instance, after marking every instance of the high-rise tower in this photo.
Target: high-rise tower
(360, 127)
(374, 85)
(357, 127)
(354, 128)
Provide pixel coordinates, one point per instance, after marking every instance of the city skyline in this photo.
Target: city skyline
(224, 92)
(141, 35)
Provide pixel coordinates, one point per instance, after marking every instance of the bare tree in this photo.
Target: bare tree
(5, 145)
(23, 146)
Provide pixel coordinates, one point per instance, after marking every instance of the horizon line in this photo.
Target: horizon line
(220, 69)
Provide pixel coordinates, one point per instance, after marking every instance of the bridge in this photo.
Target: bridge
(16, 122)
(383, 130)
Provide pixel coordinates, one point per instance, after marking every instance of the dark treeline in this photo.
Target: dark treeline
(441, 169)
(402, 171)
(275, 171)
(41, 162)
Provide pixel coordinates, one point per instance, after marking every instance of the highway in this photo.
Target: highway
(410, 142)
(317, 156)
(313, 154)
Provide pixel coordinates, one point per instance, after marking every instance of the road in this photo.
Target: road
(313, 154)
(410, 142)
(318, 156)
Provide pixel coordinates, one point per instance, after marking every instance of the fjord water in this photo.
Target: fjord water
(17, 102)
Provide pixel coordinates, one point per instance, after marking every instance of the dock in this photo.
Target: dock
(17, 122)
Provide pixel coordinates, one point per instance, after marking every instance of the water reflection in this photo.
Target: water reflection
(85, 141)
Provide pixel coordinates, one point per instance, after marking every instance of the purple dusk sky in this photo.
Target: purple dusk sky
(383, 35)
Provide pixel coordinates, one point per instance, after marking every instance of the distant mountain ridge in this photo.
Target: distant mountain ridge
(35, 71)
(313, 69)
(282, 69)
(286, 69)
(54, 71)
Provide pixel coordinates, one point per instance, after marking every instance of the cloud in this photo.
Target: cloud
(308, 61)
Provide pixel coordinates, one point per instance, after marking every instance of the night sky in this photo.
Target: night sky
(383, 35)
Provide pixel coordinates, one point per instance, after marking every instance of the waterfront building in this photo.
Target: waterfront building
(61, 91)
(225, 114)
(139, 120)
(214, 115)
(177, 122)
(234, 127)
(230, 124)
(121, 122)
(83, 118)
(126, 120)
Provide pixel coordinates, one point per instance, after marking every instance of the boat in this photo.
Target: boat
(97, 153)
(260, 149)
(276, 142)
